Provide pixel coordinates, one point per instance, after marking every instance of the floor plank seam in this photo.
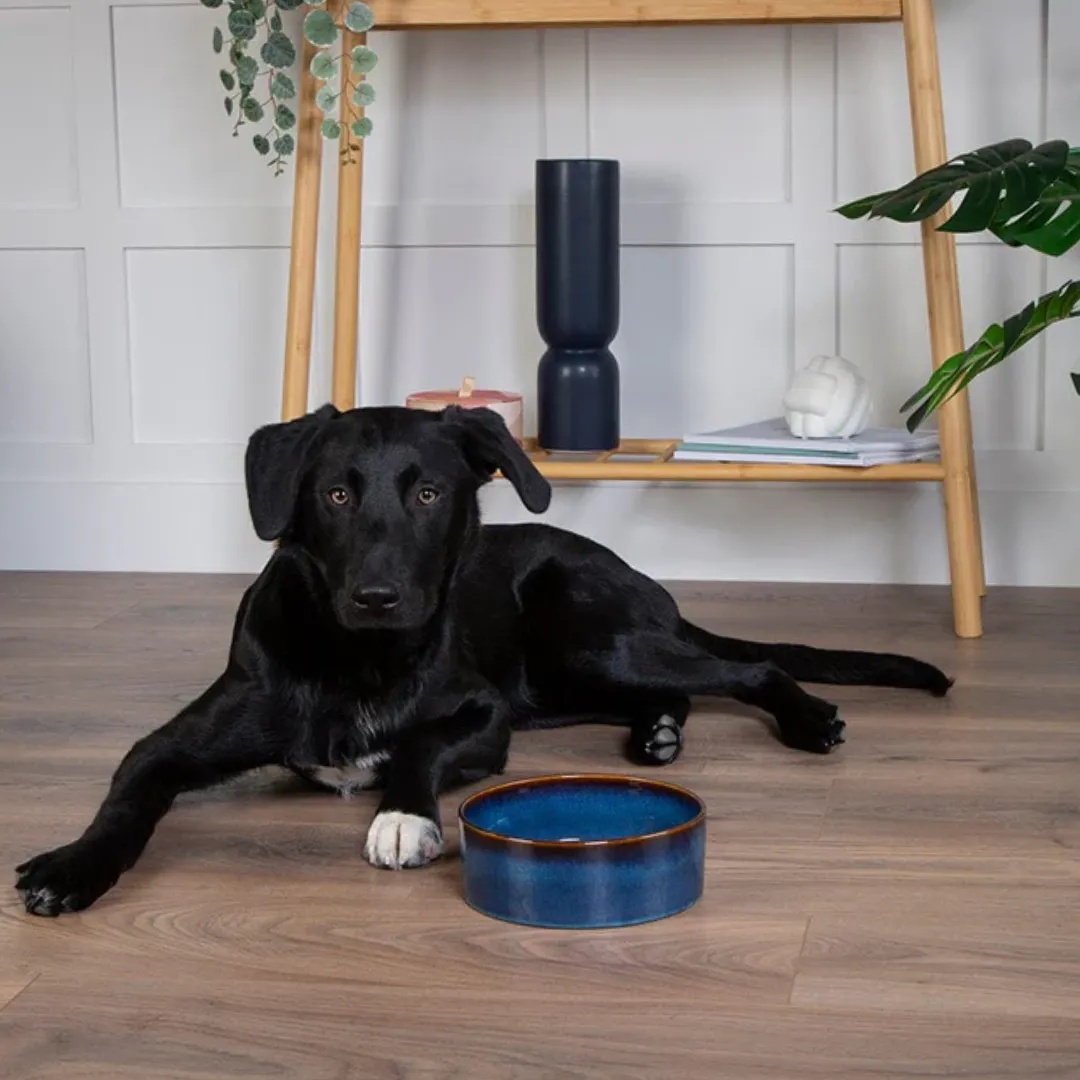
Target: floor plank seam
(824, 820)
(798, 958)
(20, 993)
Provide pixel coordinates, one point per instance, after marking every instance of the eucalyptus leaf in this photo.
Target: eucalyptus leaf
(331, 129)
(219, 39)
(276, 23)
(282, 87)
(228, 106)
(284, 145)
(1076, 380)
(324, 65)
(320, 28)
(278, 51)
(227, 79)
(326, 98)
(288, 5)
(363, 60)
(241, 24)
(253, 110)
(211, 3)
(284, 117)
(262, 144)
(359, 18)
(364, 95)
(247, 71)
(362, 128)
(257, 8)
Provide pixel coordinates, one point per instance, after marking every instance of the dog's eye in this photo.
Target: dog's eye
(426, 496)
(338, 496)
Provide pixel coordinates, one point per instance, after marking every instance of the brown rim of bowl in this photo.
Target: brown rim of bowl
(562, 778)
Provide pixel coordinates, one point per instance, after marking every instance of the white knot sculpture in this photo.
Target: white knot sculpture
(828, 399)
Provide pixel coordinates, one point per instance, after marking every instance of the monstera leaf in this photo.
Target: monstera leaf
(1025, 195)
(999, 341)
(1052, 225)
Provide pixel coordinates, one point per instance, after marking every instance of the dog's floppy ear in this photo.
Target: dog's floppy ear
(489, 446)
(273, 465)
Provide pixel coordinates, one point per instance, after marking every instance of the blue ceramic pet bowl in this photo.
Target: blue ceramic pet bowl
(582, 852)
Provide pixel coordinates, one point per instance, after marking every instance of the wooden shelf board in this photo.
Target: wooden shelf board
(449, 14)
(650, 460)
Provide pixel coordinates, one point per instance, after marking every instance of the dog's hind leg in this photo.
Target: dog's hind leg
(657, 665)
(655, 721)
(656, 726)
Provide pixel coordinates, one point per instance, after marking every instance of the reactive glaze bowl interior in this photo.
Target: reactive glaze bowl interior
(582, 851)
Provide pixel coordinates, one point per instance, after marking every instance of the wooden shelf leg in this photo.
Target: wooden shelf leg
(300, 309)
(347, 276)
(978, 517)
(946, 324)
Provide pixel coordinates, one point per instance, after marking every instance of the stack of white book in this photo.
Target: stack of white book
(771, 441)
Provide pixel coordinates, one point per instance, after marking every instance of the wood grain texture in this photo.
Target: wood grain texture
(347, 229)
(300, 307)
(905, 907)
(727, 471)
(12, 985)
(946, 324)
(436, 14)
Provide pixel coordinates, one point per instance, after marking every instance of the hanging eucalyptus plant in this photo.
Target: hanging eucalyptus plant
(260, 51)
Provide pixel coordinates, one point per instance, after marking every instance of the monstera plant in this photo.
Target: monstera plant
(261, 50)
(1027, 196)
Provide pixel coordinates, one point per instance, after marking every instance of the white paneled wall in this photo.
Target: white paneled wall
(144, 262)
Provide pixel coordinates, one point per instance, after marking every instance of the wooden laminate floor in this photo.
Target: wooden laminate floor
(908, 907)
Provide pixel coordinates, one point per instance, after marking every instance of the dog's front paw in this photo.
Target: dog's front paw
(398, 841)
(69, 878)
(816, 728)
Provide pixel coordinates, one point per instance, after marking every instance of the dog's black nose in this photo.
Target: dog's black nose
(376, 598)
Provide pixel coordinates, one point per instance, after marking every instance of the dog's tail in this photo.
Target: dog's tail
(838, 667)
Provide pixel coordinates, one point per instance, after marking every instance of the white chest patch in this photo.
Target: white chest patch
(346, 780)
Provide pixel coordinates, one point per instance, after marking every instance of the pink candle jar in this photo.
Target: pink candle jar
(510, 406)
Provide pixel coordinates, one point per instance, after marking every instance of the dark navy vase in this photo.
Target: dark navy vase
(577, 303)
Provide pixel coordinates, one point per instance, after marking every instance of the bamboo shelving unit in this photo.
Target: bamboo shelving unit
(651, 459)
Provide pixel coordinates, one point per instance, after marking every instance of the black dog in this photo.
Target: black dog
(393, 641)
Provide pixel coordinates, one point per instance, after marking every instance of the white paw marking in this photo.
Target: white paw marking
(668, 723)
(664, 740)
(397, 840)
(358, 776)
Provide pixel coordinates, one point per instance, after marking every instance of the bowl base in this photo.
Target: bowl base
(619, 925)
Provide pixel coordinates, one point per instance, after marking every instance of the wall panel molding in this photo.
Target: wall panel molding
(737, 146)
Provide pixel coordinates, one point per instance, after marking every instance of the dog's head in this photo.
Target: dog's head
(383, 500)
